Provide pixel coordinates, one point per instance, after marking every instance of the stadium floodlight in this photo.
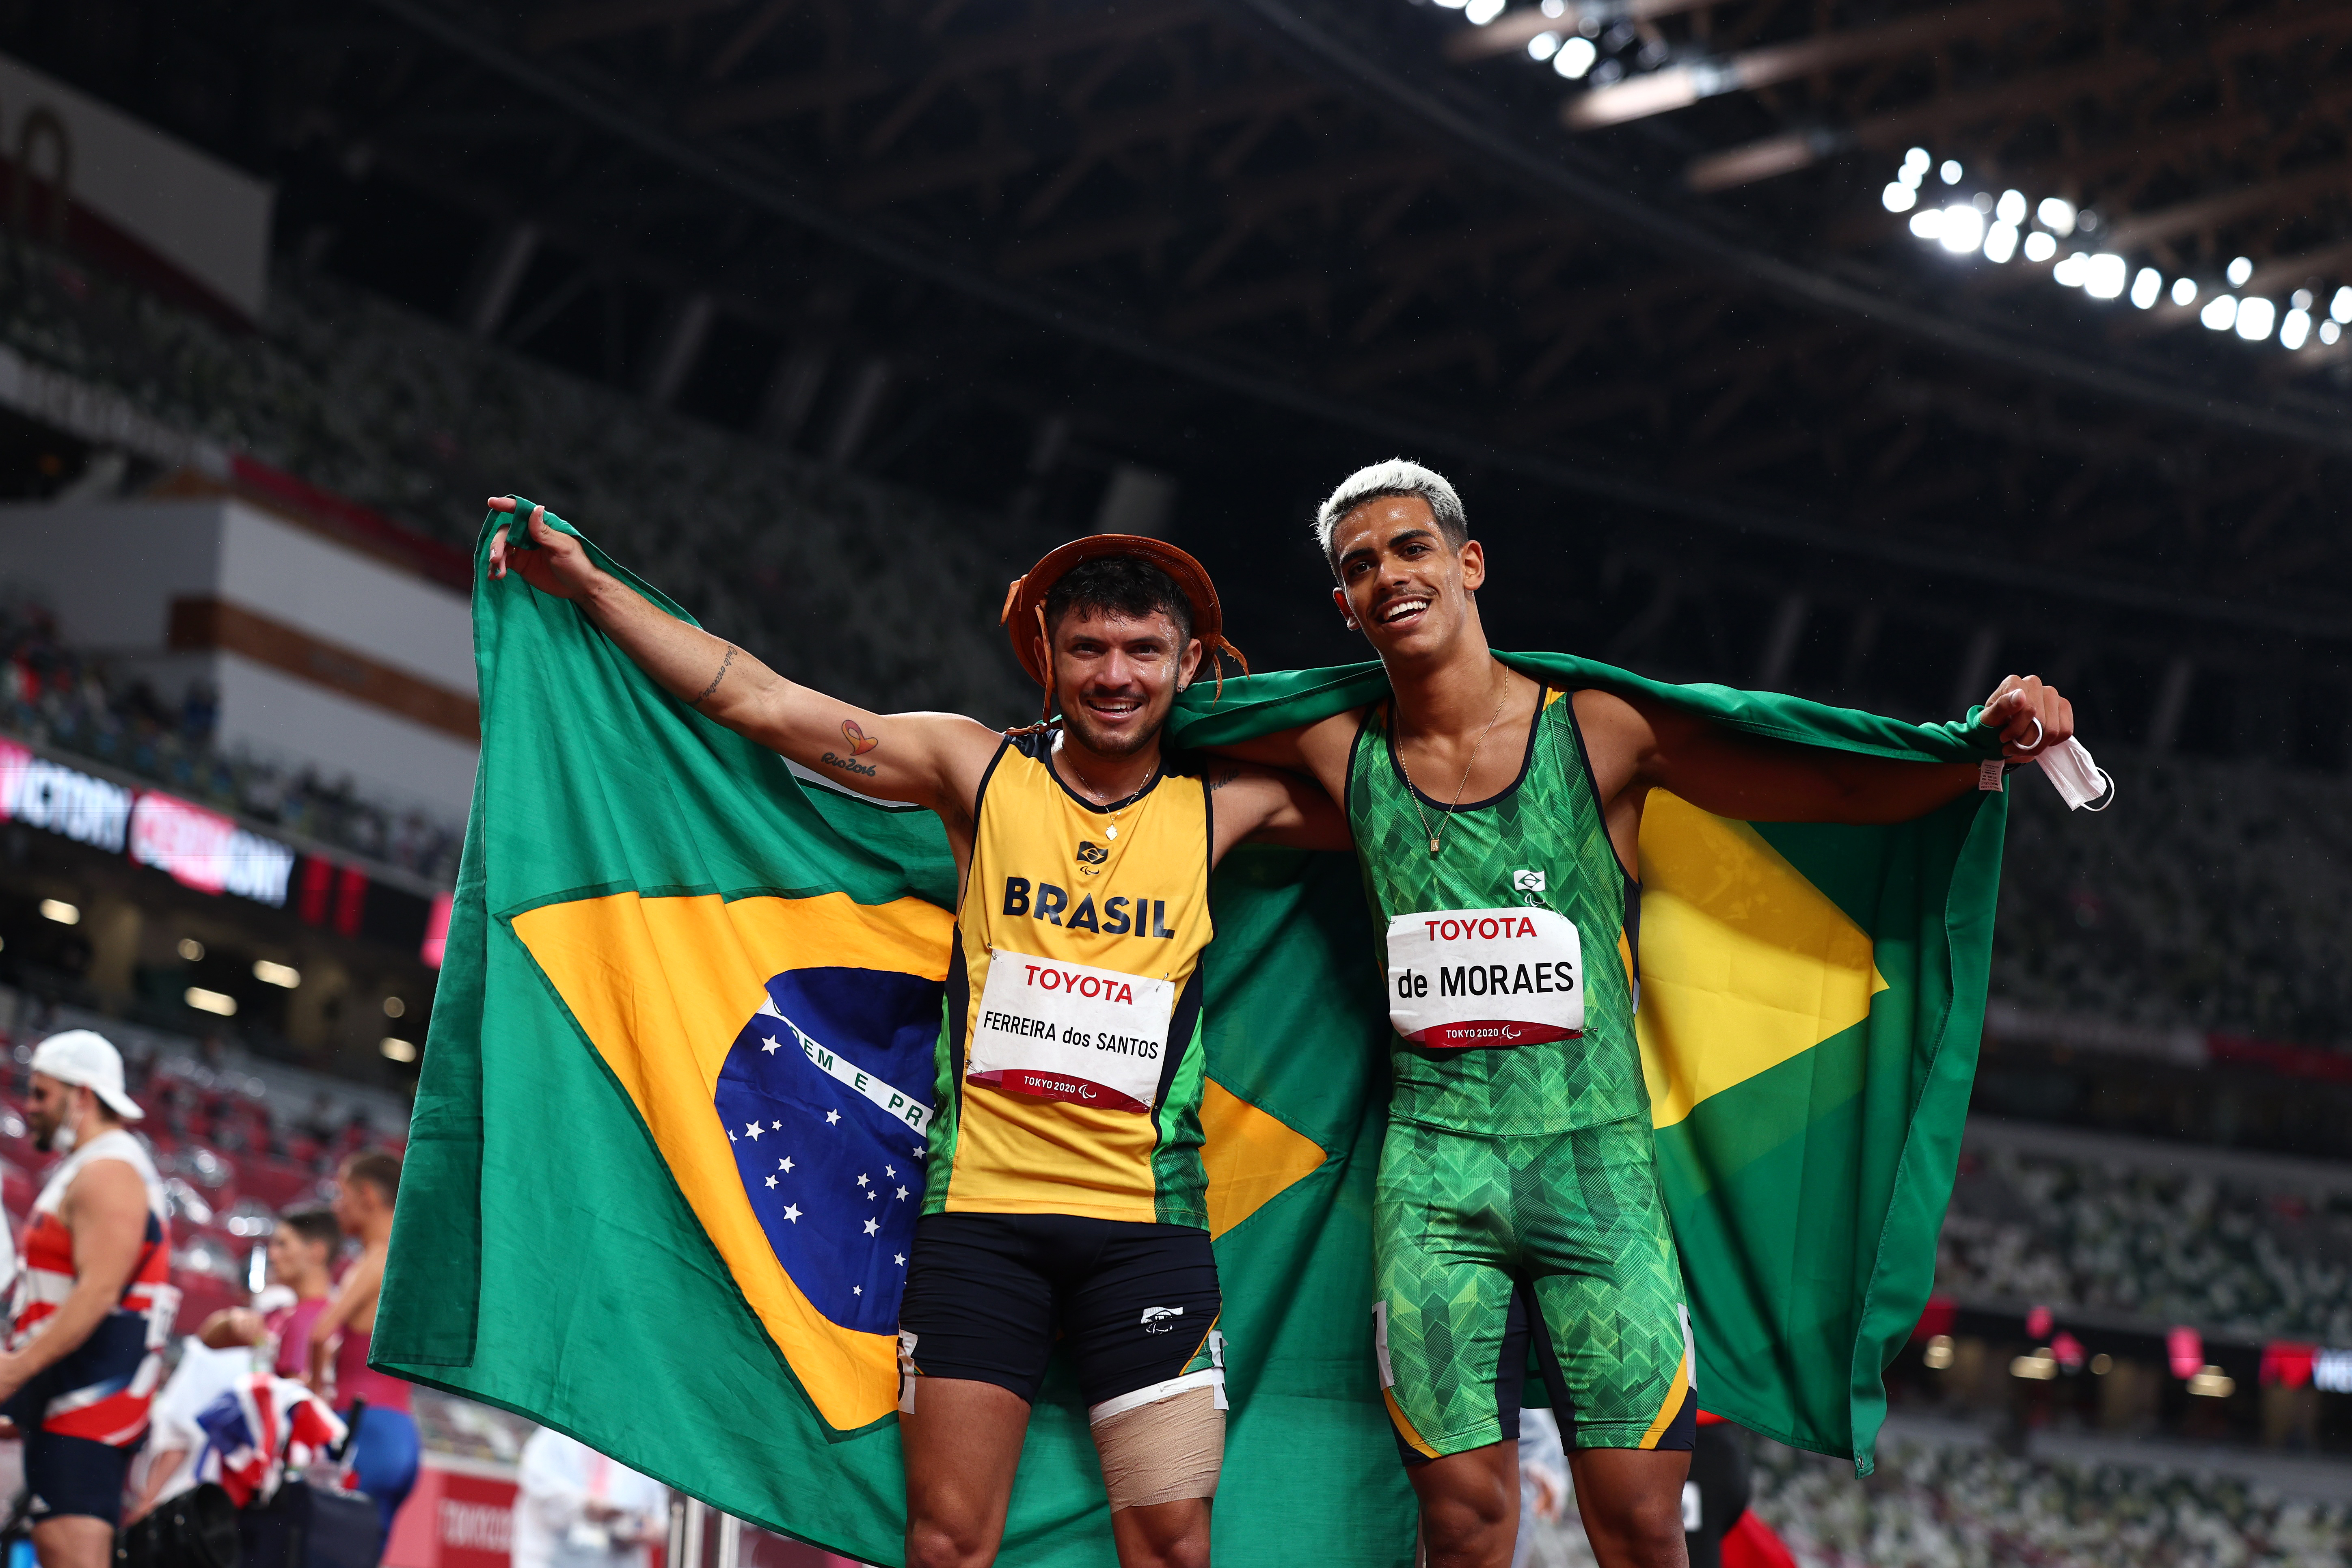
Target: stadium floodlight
(2071, 268)
(1898, 197)
(2011, 208)
(2000, 242)
(2039, 246)
(2329, 331)
(2057, 214)
(1480, 12)
(1963, 229)
(2340, 307)
(2256, 317)
(1912, 173)
(1917, 158)
(2301, 299)
(2295, 330)
(1453, 5)
(1575, 57)
(396, 1050)
(1555, 9)
(1927, 223)
(2221, 312)
(2147, 287)
(217, 1003)
(283, 975)
(2104, 276)
(1543, 46)
(1951, 170)
(2184, 290)
(2239, 270)
(58, 910)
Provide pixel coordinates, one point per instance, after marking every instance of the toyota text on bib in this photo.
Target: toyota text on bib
(1462, 978)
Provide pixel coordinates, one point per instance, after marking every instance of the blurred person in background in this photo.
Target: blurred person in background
(278, 1325)
(93, 1304)
(576, 1508)
(383, 1450)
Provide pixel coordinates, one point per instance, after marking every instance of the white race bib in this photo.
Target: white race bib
(1066, 1031)
(1485, 977)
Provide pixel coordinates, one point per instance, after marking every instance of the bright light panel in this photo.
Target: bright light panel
(2147, 287)
(281, 974)
(2104, 276)
(2011, 208)
(2295, 330)
(2239, 270)
(1575, 57)
(2071, 268)
(2221, 312)
(1481, 12)
(2329, 331)
(2057, 214)
(2184, 290)
(2000, 242)
(1927, 223)
(2039, 246)
(1963, 229)
(1951, 170)
(58, 910)
(2340, 307)
(1917, 158)
(2256, 317)
(214, 1002)
(1898, 197)
(397, 1049)
(1543, 46)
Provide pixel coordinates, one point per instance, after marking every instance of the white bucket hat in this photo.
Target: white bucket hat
(88, 1059)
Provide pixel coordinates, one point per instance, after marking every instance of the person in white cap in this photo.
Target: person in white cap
(93, 1303)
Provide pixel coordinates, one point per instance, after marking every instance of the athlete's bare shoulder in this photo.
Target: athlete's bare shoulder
(1618, 735)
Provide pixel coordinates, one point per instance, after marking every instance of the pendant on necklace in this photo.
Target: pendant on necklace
(1433, 846)
(1112, 831)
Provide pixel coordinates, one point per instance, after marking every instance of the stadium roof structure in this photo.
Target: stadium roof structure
(1674, 261)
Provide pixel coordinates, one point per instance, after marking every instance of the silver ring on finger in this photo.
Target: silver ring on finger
(2037, 735)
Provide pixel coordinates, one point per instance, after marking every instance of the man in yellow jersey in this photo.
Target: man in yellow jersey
(1065, 1194)
(1517, 1205)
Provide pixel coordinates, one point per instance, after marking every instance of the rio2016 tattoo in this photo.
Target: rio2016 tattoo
(860, 743)
(715, 679)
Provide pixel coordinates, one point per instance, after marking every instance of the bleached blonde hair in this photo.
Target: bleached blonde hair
(1397, 477)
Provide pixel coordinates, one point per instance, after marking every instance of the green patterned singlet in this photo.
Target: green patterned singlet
(1549, 821)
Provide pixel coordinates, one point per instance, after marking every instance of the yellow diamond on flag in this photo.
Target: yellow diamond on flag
(1745, 963)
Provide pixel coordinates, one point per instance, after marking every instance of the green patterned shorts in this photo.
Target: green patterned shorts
(1486, 1247)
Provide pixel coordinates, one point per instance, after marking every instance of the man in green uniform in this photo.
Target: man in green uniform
(1518, 1206)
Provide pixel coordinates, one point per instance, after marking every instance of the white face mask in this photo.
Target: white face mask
(68, 1134)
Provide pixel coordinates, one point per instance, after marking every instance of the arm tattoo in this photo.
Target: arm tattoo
(1222, 777)
(715, 679)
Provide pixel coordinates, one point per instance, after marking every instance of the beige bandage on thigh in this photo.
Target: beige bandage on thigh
(1160, 1452)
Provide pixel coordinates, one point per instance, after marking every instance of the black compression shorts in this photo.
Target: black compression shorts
(988, 1294)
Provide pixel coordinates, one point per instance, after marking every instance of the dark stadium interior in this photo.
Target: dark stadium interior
(829, 315)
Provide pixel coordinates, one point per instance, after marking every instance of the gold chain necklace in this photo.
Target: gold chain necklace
(1446, 816)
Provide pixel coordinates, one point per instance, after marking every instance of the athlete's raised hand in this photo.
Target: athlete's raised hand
(2031, 716)
(559, 567)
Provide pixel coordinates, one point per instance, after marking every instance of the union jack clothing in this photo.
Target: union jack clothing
(100, 1391)
(257, 1430)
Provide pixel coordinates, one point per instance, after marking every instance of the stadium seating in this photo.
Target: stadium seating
(1937, 1506)
(52, 693)
(2246, 1256)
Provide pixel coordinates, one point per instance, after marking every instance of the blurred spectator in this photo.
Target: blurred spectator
(383, 1446)
(576, 1508)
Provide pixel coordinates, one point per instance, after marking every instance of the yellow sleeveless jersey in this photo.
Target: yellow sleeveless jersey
(1072, 1074)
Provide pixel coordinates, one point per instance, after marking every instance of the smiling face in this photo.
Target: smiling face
(1117, 676)
(49, 1103)
(1402, 582)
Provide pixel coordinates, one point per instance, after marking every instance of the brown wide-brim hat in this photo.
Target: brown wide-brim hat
(1025, 601)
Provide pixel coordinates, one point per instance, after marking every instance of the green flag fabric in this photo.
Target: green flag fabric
(665, 1158)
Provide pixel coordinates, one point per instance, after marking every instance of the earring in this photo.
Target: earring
(1352, 623)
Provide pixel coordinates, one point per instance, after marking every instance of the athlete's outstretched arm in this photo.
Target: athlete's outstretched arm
(1738, 775)
(1266, 805)
(926, 759)
(1318, 750)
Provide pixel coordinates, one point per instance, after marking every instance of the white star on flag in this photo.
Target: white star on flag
(902, 1194)
(772, 1046)
(858, 1289)
(861, 1178)
(872, 1195)
(785, 1164)
(775, 1127)
(771, 1181)
(899, 1259)
(871, 1226)
(731, 1137)
(752, 1130)
(793, 1213)
(889, 1169)
(831, 1116)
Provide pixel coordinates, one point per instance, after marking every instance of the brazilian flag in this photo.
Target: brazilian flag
(667, 1153)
